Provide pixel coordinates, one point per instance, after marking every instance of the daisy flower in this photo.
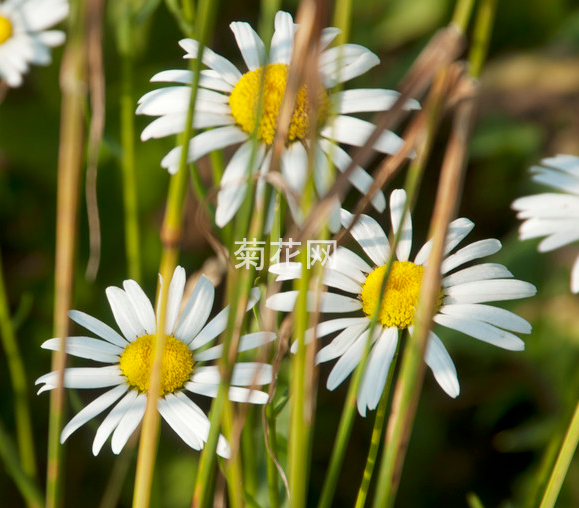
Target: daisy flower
(554, 215)
(226, 111)
(461, 303)
(130, 356)
(24, 38)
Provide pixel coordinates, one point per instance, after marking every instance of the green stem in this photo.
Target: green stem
(26, 485)
(481, 36)
(272, 473)
(376, 439)
(562, 463)
(71, 152)
(128, 164)
(18, 378)
(342, 20)
(462, 13)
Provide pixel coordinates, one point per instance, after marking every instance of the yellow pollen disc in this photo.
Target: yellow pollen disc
(400, 297)
(176, 366)
(244, 103)
(5, 30)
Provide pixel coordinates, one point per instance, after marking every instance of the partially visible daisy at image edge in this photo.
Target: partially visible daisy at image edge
(24, 38)
(461, 301)
(129, 358)
(554, 215)
(227, 102)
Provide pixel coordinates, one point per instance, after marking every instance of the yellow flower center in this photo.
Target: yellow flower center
(400, 296)
(176, 366)
(244, 103)
(5, 30)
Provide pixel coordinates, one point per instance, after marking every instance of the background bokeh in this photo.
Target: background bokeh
(488, 441)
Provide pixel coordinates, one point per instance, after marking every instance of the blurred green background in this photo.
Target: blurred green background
(488, 441)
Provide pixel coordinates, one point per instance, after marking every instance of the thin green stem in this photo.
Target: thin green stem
(18, 378)
(481, 36)
(562, 463)
(171, 236)
(462, 13)
(25, 484)
(342, 20)
(128, 163)
(71, 152)
(272, 473)
(376, 438)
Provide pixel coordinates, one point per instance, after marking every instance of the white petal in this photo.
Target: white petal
(249, 43)
(294, 166)
(347, 362)
(142, 306)
(234, 181)
(328, 302)
(496, 316)
(172, 411)
(457, 230)
(556, 179)
(482, 331)
(442, 366)
(251, 373)
(369, 99)
(112, 420)
(282, 42)
(246, 343)
(473, 251)
(342, 342)
(84, 377)
(172, 124)
(483, 271)
(174, 299)
(560, 239)
(563, 162)
(235, 393)
(348, 262)
(93, 409)
(368, 233)
(196, 311)
(224, 67)
(488, 291)
(355, 132)
(98, 327)
(204, 143)
(342, 63)
(397, 204)
(376, 372)
(129, 422)
(575, 276)
(125, 314)
(86, 347)
(358, 177)
(211, 330)
(175, 99)
(326, 327)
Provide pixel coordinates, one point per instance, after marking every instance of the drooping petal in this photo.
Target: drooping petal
(376, 372)
(347, 362)
(441, 365)
(128, 423)
(342, 342)
(482, 331)
(112, 420)
(93, 409)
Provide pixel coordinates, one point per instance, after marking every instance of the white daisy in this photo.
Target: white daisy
(130, 357)
(227, 103)
(461, 301)
(24, 38)
(554, 215)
